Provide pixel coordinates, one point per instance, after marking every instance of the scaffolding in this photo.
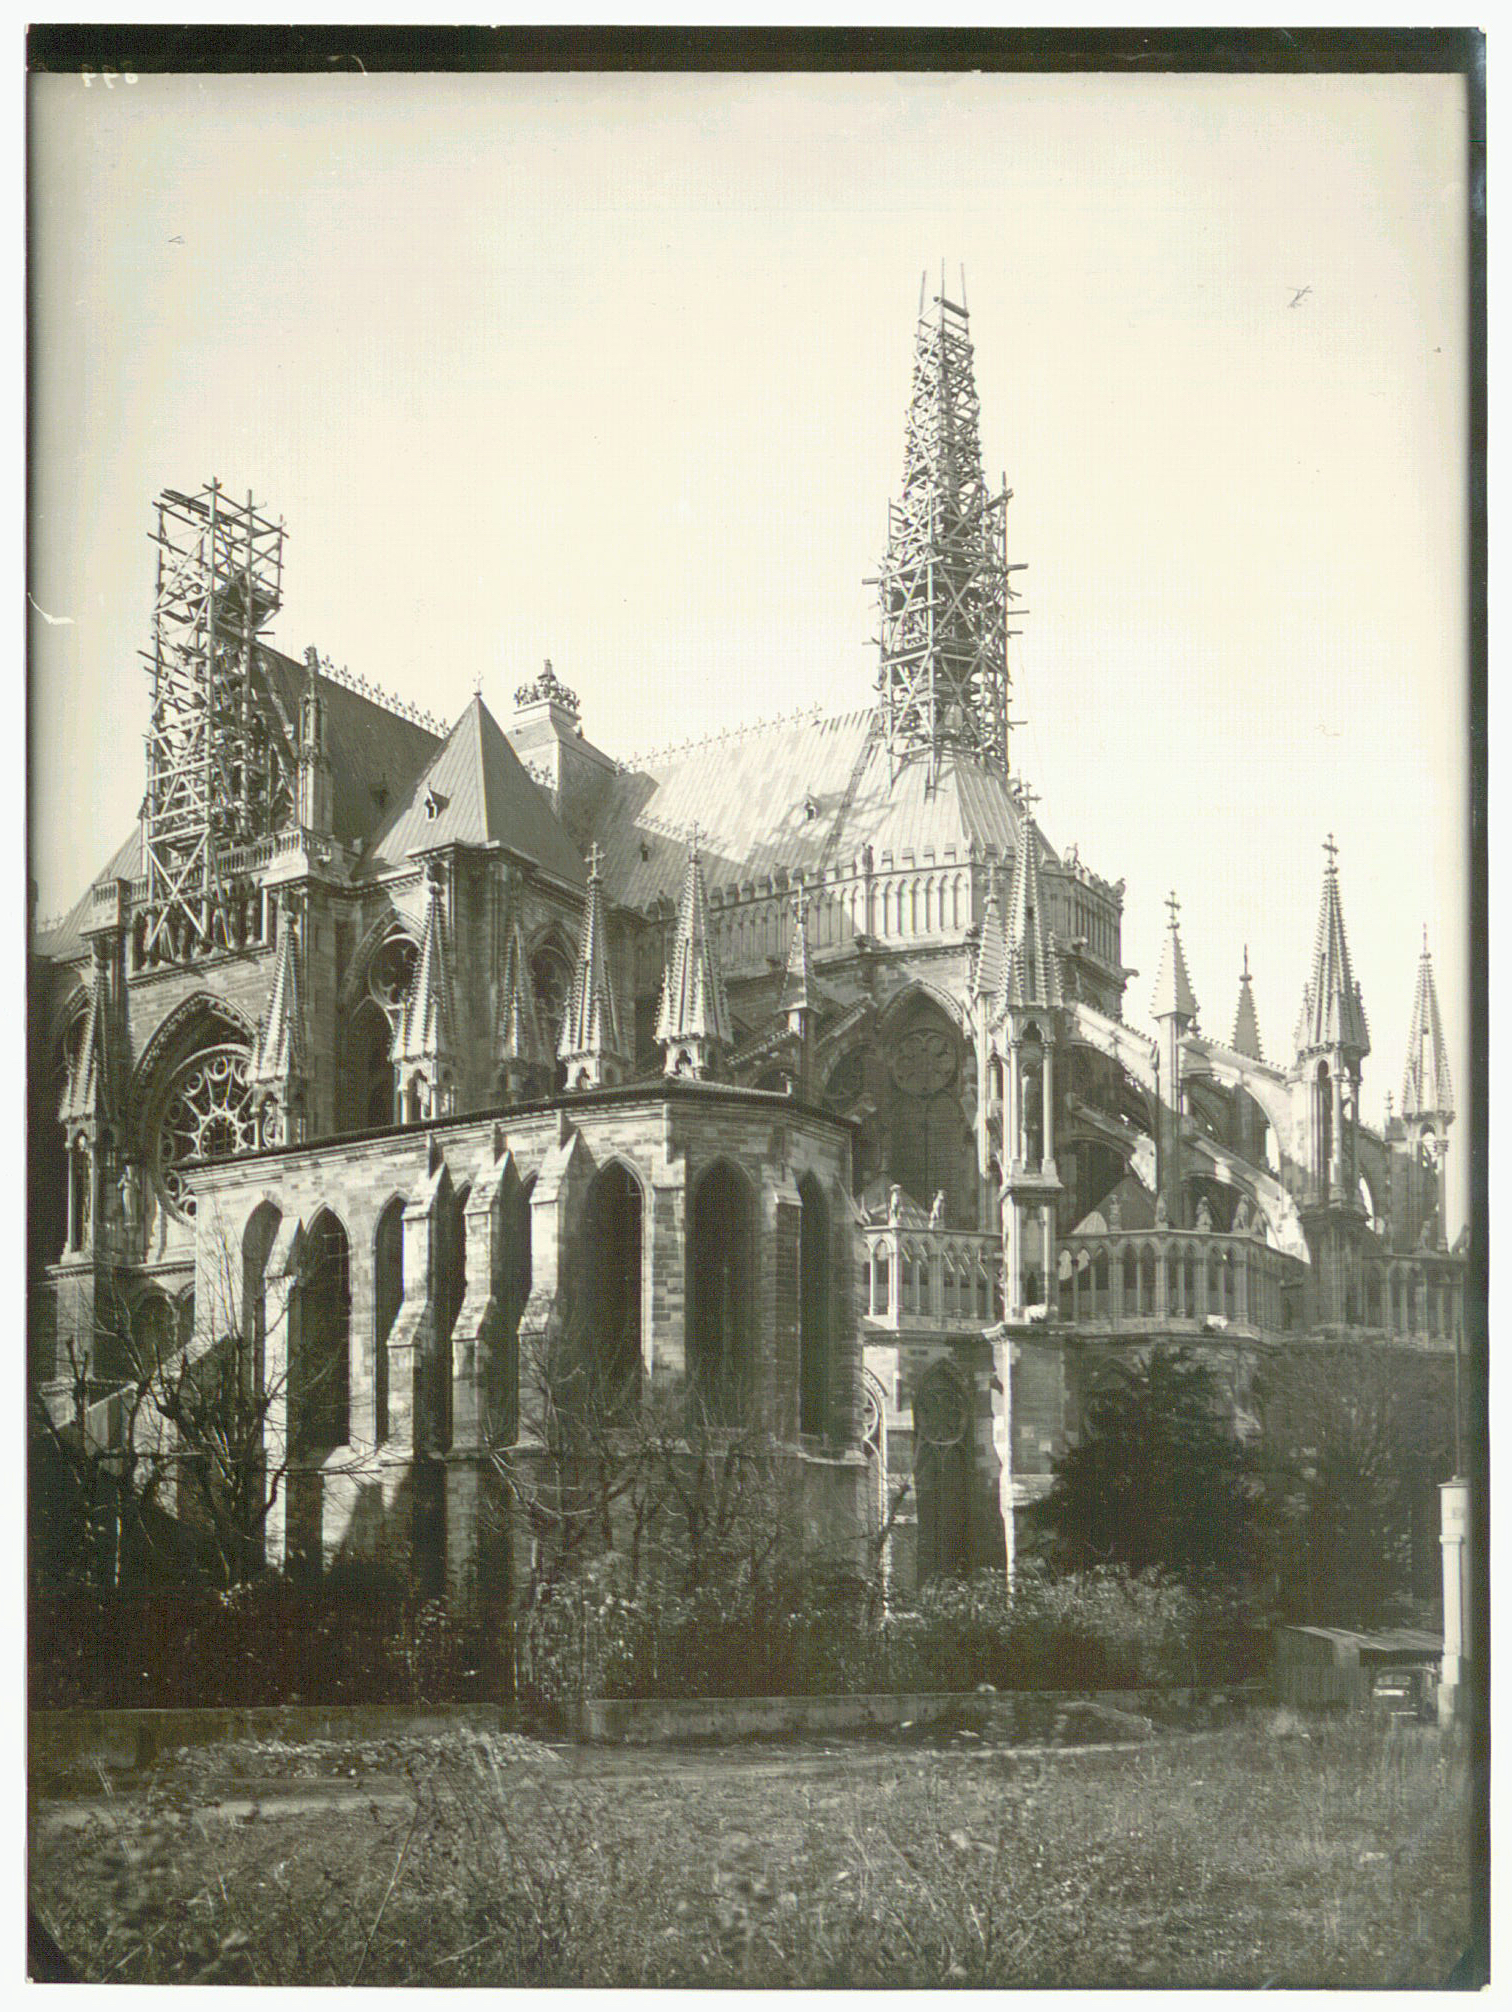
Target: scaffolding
(221, 756)
(945, 582)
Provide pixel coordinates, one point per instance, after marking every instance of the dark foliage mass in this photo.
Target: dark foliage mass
(1159, 1479)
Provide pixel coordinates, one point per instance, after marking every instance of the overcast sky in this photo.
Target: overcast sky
(614, 370)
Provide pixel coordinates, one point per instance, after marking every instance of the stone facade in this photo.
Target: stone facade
(416, 1020)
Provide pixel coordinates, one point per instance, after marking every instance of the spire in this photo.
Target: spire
(693, 1024)
(1246, 1039)
(1174, 997)
(519, 1048)
(943, 681)
(590, 1040)
(798, 990)
(1426, 1089)
(1333, 1014)
(1031, 974)
(425, 1034)
(992, 948)
(278, 1057)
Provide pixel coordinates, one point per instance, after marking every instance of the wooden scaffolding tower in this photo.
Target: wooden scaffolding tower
(944, 584)
(221, 759)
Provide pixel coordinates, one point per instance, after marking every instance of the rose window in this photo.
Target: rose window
(210, 1115)
(940, 1413)
(391, 971)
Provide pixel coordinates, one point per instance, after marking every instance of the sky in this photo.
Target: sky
(614, 370)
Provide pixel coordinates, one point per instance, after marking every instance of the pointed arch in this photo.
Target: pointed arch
(612, 1240)
(722, 1290)
(388, 1297)
(320, 1350)
(815, 1319)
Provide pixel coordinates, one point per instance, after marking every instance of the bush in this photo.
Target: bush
(1099, 1630)
(272, 1642)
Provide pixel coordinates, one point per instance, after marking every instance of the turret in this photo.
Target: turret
(693, 1019)
(277, 1073)
(315, 808)
(1427, 1106)
(591, 1046)
(1246, 1039)
(1332, 1039)
(521, 1055)
(1027, 1022)
(1175, 1010)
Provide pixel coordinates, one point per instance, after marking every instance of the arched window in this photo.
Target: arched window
(370, 1073)
(513, 1288)
(1100, 1284)
(1147, 1281)
(257, 1244)
(611, 1246)
(320, 1369)
(929, 1149)
(813, 1309)
(1325, 1124)
(388, 1297)
(721, 1291)
(942, 1421)
(551, 975)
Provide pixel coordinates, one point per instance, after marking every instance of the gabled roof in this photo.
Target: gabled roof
(475, 791)
(279, 1053)
(793, 795)
(371, 748)
(66, 941)
(1333, 1014)
(426, 1028)
(519, 1032)
(1174, 998)
(1246, 1039)
(590, 1025)
(1426, 1089)
(693, 1003)
(1032, 974)
(799, 992)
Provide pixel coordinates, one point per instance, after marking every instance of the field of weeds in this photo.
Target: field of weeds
(1325, 1853)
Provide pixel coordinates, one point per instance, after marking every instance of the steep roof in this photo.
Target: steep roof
(370, 746)
(1333, 1014)
(66, 941)
(475, 791)
(591, 1025)
(992, 949)
(1174, 997)
(1246, 1039)
(1426, 1089)
(793, 794)
(693, 1003)
(86, 1091)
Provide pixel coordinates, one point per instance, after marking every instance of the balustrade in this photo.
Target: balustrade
(933, 1278)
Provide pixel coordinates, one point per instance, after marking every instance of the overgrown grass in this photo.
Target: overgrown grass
(1331, 1853)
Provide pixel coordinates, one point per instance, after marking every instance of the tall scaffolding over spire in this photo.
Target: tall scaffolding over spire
(944, 584)
(221, 760)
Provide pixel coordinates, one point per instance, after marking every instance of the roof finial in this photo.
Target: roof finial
(595, 861)
(1425, 939)
(693, 841)
(1029, 796)
(1246, 971)
(1333, 853)
(1173, 909)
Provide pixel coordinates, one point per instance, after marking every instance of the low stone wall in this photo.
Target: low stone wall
(1014, 1714)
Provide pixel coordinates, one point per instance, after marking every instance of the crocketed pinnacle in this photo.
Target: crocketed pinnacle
(84, 1094)
(693, 1003)
(1031, 972)
(1246, 1039)
(1426, 1089)
(427, 1019)
(279, 1053)
(1174, 998)
(992, 949)
(1333, 1014)
(797, 995)
(519, 1032)
(590, 1025)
